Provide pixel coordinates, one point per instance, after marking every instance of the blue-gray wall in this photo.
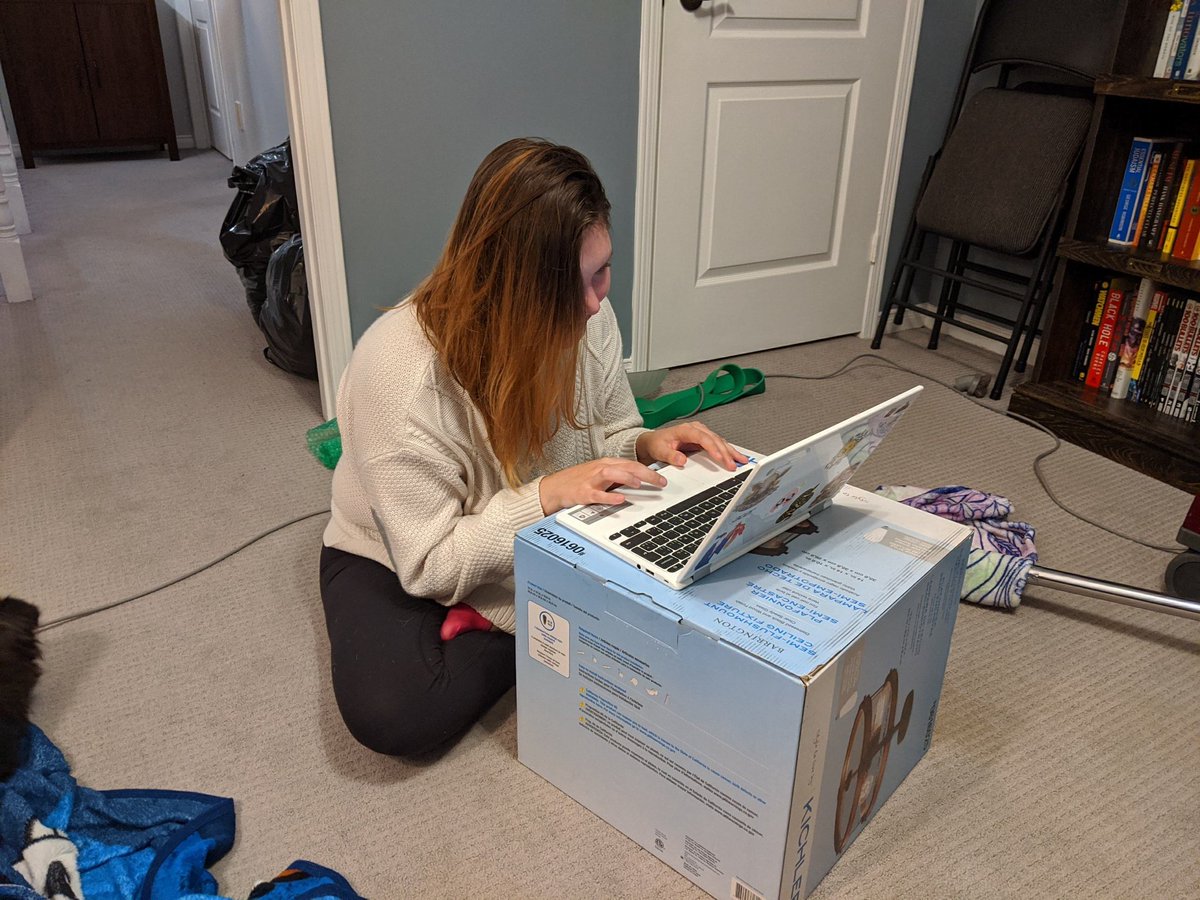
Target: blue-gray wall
(420, 92)
(946, 27)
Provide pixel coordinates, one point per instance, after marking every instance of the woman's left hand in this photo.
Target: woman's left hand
(668, 445)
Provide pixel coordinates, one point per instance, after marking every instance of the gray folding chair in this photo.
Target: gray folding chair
(993, 197)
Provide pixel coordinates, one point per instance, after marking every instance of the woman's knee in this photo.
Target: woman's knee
(391, 724)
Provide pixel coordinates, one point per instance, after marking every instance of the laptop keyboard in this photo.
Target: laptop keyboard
(669, 538)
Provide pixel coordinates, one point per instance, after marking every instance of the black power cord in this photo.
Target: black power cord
(968, 386)
(54, 623)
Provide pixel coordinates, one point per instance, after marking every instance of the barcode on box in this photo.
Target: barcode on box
(743, 891)
(929, 726)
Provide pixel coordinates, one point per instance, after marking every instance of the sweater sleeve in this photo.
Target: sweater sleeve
(622, 421)
(418, 497)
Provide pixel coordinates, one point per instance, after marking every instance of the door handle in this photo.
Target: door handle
(691, 5)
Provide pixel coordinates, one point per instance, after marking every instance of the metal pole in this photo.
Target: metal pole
(1108, 590)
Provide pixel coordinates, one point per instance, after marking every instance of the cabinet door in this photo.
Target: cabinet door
(44, 70)
(121, 47)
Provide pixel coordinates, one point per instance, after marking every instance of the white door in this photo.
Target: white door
(774, 123)
(209, 54)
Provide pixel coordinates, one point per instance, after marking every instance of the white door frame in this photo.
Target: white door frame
(316, 183)
(316, 191)
(891, 168)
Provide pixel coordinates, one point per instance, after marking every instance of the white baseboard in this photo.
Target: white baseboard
(186, 141)
(961, 334)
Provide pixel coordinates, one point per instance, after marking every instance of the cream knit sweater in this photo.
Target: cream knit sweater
(418, 488)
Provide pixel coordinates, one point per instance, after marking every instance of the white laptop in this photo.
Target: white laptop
(707, 516)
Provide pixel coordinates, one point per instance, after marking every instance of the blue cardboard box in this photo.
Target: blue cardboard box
(745, 729)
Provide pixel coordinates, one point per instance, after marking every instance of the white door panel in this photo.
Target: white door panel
(209, 56)
(774, 120)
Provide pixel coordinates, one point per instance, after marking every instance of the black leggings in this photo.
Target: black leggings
(402, 690)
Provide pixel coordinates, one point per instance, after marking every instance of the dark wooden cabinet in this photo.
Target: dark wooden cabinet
(85, 74)
(1129, 103)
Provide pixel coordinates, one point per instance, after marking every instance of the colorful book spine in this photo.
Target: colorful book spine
(1181, 195)
(1091, 325)
(1164, 197)
(1185, 399)
(1132, 338)
(1130, 196)
(1173, 370)
(1187, 241)
(1185, 368)
(1170, 40)
(1139, 360)
(1104, 337)
(1192, 69)
(1152, 175)
(1163, 340)
(1187, 35)
(1126, 289)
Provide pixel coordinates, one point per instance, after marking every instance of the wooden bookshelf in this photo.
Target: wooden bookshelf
(1127, 105)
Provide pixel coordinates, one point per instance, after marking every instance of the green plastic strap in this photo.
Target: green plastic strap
(723, 385)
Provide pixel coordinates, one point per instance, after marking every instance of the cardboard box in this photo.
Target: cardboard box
(744, 729)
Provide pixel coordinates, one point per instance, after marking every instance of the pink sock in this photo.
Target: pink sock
(460, 618)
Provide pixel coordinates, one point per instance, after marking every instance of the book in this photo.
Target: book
(1185, 369)
(1170, 40)
(1185, 399)
(1127, 350)
(1139, 360)
(1125, 289)
(1187, 34)
(1132, 192)
(1175, 361)
(1087, 336)
(1181, 195)
(1186, 239)
(1104, 336)
(1153, 165)
(1192, 68)
(1163, 199)
(1150, 385)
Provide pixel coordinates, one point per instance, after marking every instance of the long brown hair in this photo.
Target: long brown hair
(504, 306)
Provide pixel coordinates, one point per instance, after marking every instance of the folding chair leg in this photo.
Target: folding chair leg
(888, 302)
(901, 285)
(910, 276)
(1011, 349)
(1031, 327)
(948, 298)
(1045, 283)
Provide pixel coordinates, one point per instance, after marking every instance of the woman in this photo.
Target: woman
(493, 396)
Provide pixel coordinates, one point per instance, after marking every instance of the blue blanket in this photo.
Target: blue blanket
(59, 840)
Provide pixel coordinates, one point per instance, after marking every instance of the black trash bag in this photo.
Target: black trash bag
(285, 318)
(262, 216)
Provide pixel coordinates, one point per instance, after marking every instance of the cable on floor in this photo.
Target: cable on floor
(884, 362)
(54, 623)
(873, 360)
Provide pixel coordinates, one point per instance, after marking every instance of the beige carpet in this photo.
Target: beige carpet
(142, 434)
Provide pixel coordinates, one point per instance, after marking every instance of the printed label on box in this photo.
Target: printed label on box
(550, 639)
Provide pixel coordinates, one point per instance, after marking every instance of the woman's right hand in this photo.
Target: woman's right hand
(589, 482)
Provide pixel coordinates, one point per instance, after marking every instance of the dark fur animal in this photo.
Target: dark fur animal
(19, 672)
